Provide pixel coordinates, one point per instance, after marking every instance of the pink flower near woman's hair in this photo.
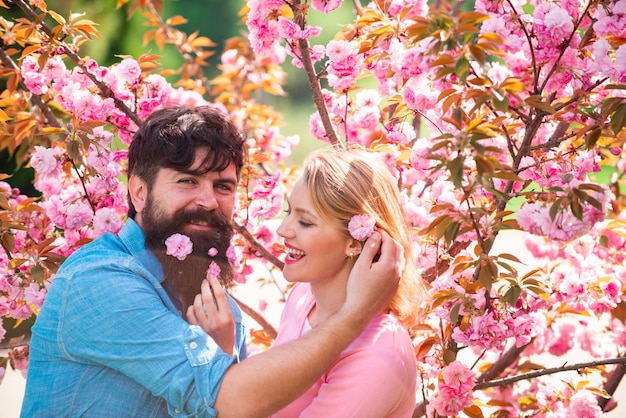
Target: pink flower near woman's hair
(361, 226)
(179, 246)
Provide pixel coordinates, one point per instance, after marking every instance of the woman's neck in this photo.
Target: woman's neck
(329, 297)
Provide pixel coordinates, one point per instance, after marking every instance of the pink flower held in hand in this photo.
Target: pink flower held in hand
(214, 270)
(361, 226)
(179, 246)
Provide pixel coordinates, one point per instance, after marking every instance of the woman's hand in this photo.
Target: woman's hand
(211, 312)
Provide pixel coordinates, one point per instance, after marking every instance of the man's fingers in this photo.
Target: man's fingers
(208, 297)
(218, 294)
(391, 252)
(191, 316)
(370, 249)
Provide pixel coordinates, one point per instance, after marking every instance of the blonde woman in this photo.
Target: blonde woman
(339, 199)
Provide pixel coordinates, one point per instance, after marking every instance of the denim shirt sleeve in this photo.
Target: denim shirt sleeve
(117, 315)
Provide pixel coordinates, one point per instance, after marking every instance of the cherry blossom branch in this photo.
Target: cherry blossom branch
(443, 262)
(267, 327)
(103, 88)
(530, 45)
(316, 90)
(45, 109)
(531, 129)
(564, 47)
(611, 385)
(485, 382)
(420, 410)
(257, 245)
(50, 120)
(501, 364)
(531, 375)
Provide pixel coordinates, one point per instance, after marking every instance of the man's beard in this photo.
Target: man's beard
(186, 276)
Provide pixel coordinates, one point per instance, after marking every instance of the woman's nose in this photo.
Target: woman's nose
(283, 228)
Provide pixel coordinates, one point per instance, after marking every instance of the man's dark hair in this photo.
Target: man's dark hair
(169, 138)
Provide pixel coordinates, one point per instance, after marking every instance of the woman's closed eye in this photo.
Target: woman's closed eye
(304, 223)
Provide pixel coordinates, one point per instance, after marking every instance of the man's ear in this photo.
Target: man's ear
(138, 191)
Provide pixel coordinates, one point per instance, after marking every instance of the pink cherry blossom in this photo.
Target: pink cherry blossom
(78, 214)
(344, 63)
(46, 160)
(449, 401)
(107, 220)
(584, 404)
(361, 226)
(553, 24)
(179, 246)
(326, 6)
(565, 340)
(214, 270)
(458, 376)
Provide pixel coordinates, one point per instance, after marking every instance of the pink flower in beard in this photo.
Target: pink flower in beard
(179, 246)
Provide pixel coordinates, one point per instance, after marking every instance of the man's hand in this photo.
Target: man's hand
(210, 311)
(375, 276)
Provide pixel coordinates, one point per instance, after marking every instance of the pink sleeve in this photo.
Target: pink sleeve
(367, 383)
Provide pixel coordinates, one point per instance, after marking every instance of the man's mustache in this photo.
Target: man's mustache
(211, 218)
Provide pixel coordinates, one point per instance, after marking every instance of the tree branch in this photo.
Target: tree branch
(267, 327)
(318, 97)
(45, 110)
(508, 380)
(501, 364)
(257, 246)
(610, 386)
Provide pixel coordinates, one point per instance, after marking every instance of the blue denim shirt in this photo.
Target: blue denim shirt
(109, 342)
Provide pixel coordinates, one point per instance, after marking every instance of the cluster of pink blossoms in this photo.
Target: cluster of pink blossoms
(78, 94)
(555, 171)
(454, 392)
(21, 296)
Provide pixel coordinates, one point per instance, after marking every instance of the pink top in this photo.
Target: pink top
(374, 377)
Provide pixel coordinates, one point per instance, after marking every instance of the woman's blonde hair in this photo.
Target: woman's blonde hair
(343, 183)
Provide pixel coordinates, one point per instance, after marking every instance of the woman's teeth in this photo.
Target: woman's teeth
(294, 254)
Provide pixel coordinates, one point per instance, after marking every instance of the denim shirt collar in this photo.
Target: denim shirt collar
(132, 237)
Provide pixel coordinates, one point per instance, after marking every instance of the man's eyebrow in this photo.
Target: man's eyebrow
(227, 180)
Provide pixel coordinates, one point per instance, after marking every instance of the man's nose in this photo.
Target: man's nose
(206, 198)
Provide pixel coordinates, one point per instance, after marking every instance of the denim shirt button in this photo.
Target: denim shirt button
(193, 345)
(178, 410)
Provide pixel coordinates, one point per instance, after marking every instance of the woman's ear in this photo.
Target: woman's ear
(354, 248)
(138, 191)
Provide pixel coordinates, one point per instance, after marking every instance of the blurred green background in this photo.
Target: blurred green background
(218, 20)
